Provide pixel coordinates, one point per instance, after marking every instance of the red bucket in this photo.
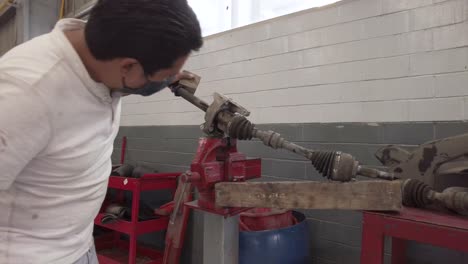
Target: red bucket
(259, 219)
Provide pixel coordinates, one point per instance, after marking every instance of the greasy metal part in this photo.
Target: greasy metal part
(184, 93)
(419, 194)
(416, 193)
(391, 155)
(440, 163)
(451, 173)
(239, 127)
(454, 198)
(275, 141)
(224, 117)
(334, 165)
(459, 167)
(375, 173)
(113, 212)
(226, 110)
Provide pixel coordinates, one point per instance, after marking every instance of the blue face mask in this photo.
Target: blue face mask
(150, 88)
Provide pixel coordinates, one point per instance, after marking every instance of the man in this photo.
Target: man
(59, 115)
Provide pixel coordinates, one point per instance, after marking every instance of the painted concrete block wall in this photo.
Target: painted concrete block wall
(355, 61)
(7, 35)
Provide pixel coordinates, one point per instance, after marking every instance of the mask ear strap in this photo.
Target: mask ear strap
(169, 80)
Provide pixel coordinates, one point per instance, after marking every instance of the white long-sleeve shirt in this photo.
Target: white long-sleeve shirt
(57, 128)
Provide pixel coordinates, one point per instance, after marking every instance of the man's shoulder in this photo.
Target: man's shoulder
(29, 62)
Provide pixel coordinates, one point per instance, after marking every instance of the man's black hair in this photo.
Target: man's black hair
(154, 32)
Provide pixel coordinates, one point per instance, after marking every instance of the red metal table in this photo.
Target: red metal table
(438, 229)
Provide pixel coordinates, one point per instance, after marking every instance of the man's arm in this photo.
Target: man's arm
(24, 128)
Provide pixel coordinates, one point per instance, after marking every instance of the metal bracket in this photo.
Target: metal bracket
(220, 103)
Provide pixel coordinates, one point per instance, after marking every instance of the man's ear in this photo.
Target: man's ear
(126, 65)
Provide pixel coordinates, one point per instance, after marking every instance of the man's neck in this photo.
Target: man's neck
(77, 40)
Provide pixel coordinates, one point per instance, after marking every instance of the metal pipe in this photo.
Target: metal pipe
(274, 140)
(179, 91)
(374, 173)
(62, 9)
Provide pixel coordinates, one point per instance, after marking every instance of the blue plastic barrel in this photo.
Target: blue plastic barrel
(288, 245)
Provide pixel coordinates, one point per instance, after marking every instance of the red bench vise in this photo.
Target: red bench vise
(217, 160)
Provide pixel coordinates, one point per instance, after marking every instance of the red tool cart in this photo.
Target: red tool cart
(111, 249)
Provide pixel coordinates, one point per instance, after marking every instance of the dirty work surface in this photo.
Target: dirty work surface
(359, 195)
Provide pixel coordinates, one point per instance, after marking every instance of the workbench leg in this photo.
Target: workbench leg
(133, 235)
(119, 199)
(398, 251)
(132, 251)
(373, 239)
(220, 239)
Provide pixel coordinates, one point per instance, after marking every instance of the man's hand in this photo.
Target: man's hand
(184, 75)
(186, 79)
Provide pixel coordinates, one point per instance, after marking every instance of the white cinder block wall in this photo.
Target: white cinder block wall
(355, 61)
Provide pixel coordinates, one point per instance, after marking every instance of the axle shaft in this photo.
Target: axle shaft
(334, 165)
